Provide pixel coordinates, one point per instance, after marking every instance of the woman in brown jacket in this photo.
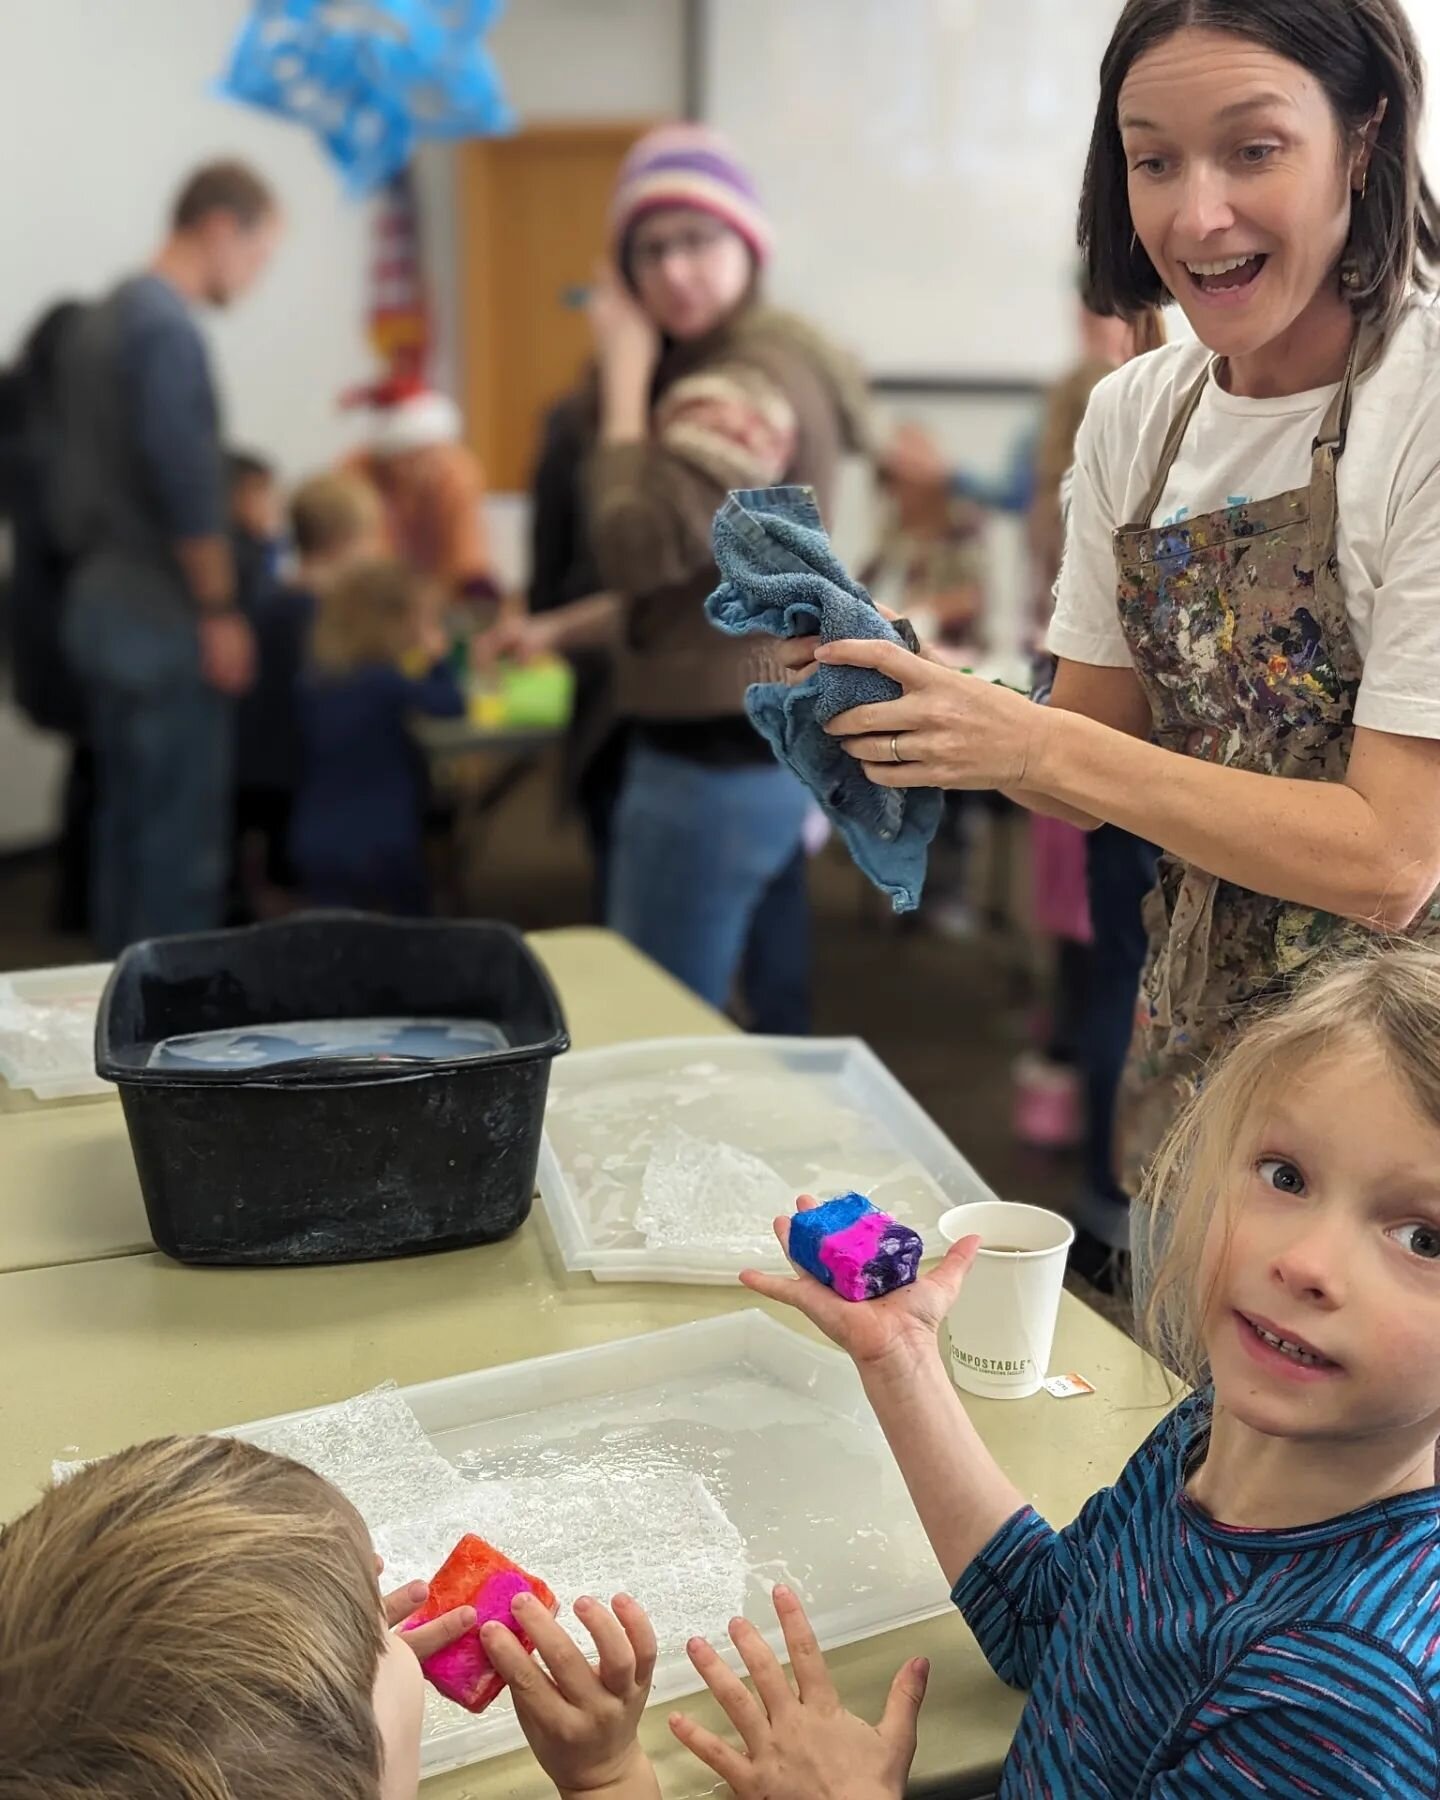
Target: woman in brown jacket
(700, 389)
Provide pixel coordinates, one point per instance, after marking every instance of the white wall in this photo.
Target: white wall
(593, 59)
(105, 110)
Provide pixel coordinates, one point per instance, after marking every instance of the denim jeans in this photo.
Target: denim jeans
(695, 851)
(775, 975)
(163, 748)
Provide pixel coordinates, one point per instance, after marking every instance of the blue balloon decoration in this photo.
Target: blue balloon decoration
(369, 77)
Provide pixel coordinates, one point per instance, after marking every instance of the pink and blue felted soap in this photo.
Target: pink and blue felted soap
(855, 1248)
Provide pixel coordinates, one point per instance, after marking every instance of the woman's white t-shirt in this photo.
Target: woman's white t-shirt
(1237, 450)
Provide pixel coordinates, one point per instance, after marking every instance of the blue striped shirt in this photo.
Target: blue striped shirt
(1167, 1655)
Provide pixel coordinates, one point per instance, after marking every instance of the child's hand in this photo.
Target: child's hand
(871, 1331)
(805, 1746)
(433, 642)
(581, 1721)
(524, 639)
(425, 1640)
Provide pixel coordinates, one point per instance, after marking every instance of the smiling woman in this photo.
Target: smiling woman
(1248, 617)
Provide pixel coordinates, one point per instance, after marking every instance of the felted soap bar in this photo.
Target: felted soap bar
(855, 1248)
(475, 1574)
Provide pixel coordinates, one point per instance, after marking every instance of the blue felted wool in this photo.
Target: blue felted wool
(808, 1231)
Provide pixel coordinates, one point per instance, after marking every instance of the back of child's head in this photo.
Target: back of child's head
(1384, 1001)
(370, 616)
(334, 515)
(254, 496)
(192, 1619)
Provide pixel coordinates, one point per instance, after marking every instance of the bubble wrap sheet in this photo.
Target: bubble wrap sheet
(698, 1193)
(693, 1468)
(596, 1526)
(44, 1042)
(661, 1163)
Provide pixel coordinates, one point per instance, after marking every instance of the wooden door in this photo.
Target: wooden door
(533, 214)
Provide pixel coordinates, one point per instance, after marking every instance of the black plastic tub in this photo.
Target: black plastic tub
(319, 1160)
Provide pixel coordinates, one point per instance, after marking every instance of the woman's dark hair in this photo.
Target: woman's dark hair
(1361, 52)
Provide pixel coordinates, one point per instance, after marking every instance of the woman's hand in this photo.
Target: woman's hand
(949, 729)
(627, 344)
(581, 1721)
(801, 1746)
(872, 1332)
(796, 657)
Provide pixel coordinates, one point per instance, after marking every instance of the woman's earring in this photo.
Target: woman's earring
(1364, 181)
(1350, 276)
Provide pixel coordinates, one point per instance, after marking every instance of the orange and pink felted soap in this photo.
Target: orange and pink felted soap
(475, 1574)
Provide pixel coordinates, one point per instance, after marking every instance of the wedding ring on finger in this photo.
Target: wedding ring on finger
(895, 755)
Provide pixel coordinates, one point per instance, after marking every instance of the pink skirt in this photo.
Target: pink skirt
(1059, 901)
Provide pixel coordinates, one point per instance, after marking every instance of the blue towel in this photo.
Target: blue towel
(782, 577)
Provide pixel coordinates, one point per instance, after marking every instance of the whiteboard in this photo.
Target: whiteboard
(921, 161)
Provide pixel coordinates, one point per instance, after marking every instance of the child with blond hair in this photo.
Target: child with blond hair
(199, 1619)
(1250, 1609)
(378, 659)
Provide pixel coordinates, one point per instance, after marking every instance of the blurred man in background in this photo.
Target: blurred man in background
(152, 627)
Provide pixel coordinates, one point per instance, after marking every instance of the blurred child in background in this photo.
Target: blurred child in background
(256, 512)
(257, 523)
(432, 491)
(334, 522)
(379, 656)
(929, 562)
(929, 566)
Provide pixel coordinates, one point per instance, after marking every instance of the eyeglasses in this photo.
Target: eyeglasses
(692, 243)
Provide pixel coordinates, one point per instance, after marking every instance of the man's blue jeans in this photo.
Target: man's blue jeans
(696, 850)
(163, 748)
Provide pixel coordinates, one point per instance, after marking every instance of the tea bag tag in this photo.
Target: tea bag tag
(1066, 1387)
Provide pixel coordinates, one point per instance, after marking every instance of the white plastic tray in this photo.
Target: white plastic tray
(47, 1031)
(797, 1486)
(667, 1160)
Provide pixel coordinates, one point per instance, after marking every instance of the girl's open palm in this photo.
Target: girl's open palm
(870, 1331)
(799, 1743)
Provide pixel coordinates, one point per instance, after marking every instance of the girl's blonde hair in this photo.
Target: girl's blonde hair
(193, 1619)
(369, 616)
(1387, 999)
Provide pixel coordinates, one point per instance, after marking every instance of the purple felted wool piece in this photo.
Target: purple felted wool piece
(874, 1256)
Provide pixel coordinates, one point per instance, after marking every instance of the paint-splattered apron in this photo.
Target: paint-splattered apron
(1236, 622)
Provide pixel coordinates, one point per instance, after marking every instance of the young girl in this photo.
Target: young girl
(378, 658)
(197, 1619)
(1251, 1609)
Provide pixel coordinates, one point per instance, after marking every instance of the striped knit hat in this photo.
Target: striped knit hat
(688, 165)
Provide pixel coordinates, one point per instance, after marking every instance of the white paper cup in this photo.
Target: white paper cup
(1003, 1325)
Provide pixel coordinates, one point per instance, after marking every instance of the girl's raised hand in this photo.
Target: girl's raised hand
(871, 1331)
